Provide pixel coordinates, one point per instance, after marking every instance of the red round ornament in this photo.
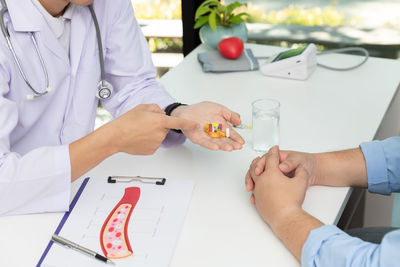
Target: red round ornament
(231, 48)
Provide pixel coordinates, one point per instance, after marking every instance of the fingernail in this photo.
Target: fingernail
(284, 167)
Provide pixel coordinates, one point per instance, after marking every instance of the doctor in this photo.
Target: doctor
(53, 63)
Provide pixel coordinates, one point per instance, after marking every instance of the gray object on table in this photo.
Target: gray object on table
(213, 61)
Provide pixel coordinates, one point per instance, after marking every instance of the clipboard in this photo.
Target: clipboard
(64, 219)
(162, 204)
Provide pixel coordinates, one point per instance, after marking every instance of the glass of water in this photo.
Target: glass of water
(266, 113)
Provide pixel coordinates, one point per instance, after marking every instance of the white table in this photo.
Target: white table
(330, 111)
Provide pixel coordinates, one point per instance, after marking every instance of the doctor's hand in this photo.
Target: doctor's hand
(275, 194)
(204, 113)
(289, 162)
(142, 130)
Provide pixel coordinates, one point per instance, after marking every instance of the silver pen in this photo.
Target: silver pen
(62, 241)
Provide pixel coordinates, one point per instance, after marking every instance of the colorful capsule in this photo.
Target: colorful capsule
(214, 130)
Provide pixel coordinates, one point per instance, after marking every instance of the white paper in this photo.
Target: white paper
(153, 229)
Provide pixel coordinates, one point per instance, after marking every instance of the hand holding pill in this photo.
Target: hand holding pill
(221, 135)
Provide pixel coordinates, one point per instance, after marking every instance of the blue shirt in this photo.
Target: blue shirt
(329, 246)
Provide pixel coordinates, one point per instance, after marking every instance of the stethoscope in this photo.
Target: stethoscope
(104, 88)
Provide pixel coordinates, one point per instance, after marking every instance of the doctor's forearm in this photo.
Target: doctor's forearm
(89, 151)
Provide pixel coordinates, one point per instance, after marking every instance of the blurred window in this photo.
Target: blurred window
(374, 24)
(162, 26)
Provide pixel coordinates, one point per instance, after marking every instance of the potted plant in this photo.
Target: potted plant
(218, 21)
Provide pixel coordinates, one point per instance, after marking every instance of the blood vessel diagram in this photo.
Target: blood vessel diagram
(114, 238)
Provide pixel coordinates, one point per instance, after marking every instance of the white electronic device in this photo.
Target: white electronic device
(296, 63)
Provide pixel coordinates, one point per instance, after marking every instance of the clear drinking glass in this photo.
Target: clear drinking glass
(266, 113)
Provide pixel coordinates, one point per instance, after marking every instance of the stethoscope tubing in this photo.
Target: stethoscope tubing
(6, 34)
(103, 87)
(99, 42)
(46, 75)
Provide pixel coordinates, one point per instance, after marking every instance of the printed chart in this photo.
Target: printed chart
(148, 230)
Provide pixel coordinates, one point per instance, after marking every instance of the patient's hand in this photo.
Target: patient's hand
(276, 195)
(289, 161)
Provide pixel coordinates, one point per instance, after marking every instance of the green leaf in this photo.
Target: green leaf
(212, 20)
(209, 3)
(233, 6)
(200, 22)
(219, 20)
(221, 9)
(201, 11)
(243, 14)
(237, 18)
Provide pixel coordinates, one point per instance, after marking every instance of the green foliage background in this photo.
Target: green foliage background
(293, 14)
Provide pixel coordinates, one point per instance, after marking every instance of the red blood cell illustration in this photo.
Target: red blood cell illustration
(117, 246)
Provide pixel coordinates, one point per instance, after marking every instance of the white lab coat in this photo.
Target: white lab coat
(34, 135)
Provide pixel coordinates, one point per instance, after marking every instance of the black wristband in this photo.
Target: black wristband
(168, 110)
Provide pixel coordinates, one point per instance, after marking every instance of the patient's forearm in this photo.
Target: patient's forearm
(342, 168)
(293, 231)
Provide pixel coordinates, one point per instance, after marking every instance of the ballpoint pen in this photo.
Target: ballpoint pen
(62, 241)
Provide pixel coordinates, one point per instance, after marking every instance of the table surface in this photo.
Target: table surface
(329, 111)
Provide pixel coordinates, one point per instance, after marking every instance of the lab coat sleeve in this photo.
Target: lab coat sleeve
(40, 180)
(129, 66)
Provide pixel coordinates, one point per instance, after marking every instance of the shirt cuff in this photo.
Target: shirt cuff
(315, 241)
(65, 178)
(173, 139)
(58, 195)
(42, 182)
(378, 180)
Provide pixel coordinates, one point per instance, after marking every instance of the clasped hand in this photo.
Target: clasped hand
(279, 181)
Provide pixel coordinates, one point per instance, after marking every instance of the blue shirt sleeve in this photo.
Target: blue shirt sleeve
(383, 165)
(329, 246)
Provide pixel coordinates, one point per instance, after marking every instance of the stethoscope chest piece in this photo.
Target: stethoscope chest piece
(104, 90)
